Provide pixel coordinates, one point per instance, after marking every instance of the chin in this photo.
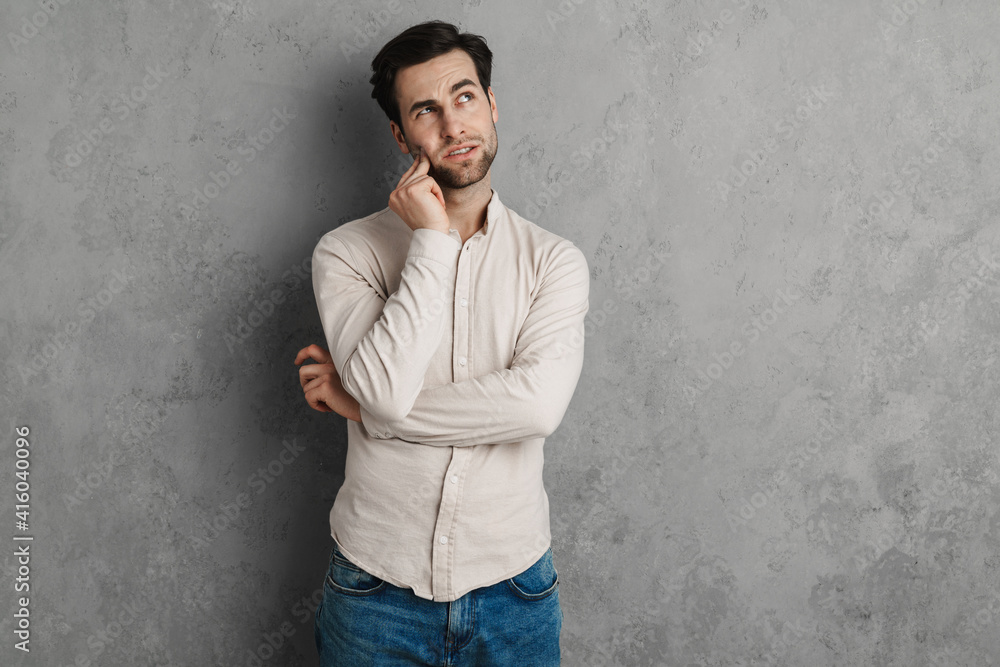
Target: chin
(462, 179)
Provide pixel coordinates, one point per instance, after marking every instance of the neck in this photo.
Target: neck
(467, 206)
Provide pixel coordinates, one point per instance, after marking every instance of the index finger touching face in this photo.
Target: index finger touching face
(412, 170)
(424, 162)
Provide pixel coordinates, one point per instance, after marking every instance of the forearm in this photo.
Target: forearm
(508, 420)
(522, 402)
(503, 407)
(384, 370)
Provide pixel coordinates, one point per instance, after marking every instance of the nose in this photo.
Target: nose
(451, 124)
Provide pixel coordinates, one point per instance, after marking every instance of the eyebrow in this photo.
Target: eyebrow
(454, 89)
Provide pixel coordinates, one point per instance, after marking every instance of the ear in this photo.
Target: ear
(397, 134)
(493, 104)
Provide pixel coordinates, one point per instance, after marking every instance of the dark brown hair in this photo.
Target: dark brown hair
(418, 44)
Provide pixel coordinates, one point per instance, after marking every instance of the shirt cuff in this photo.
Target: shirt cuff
(434, 245)
(375, 428)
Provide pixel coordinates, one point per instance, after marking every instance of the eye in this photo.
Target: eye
(469, 95)
(421, 112)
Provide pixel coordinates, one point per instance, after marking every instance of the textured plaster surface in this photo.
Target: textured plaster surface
(783, 447)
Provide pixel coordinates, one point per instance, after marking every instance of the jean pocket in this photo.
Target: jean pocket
(537, 582)
(347, 578)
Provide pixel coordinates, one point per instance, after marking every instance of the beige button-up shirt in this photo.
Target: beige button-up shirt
(464, 358)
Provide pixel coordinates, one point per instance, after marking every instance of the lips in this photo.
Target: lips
(450, 154)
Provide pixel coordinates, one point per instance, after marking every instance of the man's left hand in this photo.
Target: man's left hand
(322, 386)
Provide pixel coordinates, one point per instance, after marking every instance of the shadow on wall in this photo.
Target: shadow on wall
(352, 164)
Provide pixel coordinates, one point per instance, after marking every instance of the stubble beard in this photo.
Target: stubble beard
(464, 174)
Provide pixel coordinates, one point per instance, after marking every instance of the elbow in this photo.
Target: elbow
(385, 403)
(384, 406)
(389, 410)
(383, 415)
(547, 420)
(549, 405)
(545, 405)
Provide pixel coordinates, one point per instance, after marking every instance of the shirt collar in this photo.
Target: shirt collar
(493, 211)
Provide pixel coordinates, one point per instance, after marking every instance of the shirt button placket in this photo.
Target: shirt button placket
(461, 319)
(449, 509)
(447, 520)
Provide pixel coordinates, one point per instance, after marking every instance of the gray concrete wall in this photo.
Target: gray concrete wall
(783, 446)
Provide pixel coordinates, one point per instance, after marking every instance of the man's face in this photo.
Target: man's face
(443, 108)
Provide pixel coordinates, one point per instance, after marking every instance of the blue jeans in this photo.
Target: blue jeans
(365, 621)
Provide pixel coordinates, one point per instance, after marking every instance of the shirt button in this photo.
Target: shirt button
(454, 479)
(461, 361)
(378, 435)
(464, 303)
(444, 539)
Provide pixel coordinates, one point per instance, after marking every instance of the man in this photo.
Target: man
(455, 331)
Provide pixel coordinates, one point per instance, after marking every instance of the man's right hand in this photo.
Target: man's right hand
(418, 199)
